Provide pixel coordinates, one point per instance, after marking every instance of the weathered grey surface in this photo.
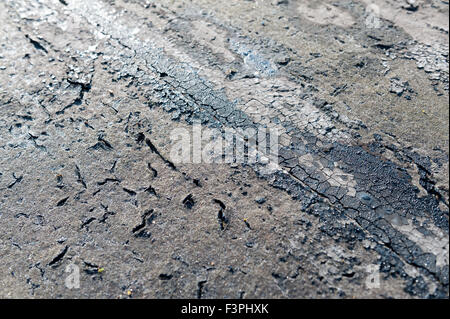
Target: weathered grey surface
(90, 91)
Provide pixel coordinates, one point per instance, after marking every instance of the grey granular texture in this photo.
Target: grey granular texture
(91, 91)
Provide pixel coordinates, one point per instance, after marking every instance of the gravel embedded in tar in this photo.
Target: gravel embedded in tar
(260, 200)
(88, 179)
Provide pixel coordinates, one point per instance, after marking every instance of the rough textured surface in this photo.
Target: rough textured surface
(90, 92)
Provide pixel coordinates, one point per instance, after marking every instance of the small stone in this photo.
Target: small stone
(410, 5)
(260, 200)
(282, 60)
(189, 201)
(397, 86)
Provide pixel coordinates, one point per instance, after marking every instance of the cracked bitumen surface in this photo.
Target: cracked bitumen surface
(90, 92)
